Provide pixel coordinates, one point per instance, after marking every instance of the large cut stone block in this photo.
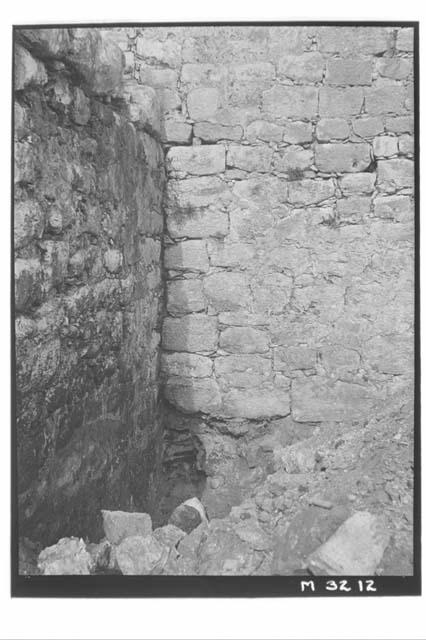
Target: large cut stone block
(383, 100)
(185, 296)
(339, 103)
(291, 102)
(310, 191)
(395, 174)
(199, 160)
(352, 183)
(263, 130)
(202, 103)
(349, 71)
(211, 132)
(332, 129)
(193, 333)
(227, 291)
(198, 224)
(244, 340)
(317, 399)
(192, 395)
(190, 255)
(307, 67)
(194, 193)
(342, 158)
(187, 365)
(256, 403)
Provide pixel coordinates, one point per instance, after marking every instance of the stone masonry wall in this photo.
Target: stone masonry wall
(289, 230)
(89, 180)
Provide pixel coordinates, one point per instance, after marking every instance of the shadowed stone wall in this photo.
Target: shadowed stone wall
(289, 231)
(89, 181)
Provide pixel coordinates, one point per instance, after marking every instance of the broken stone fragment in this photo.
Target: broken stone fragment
(141, 555)
(355, 549)
(169, 535)
(100, 555)
(119, 525)
(186, 517)
(69, 556)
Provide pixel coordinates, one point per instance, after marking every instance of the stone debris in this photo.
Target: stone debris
(355, 549)
(141, 555)
(69, 556)
(119, 525)
(186, 517)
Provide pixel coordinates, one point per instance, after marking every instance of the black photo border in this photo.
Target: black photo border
(112, 586)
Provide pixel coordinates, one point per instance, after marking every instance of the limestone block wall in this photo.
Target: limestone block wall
(89, 181)
(289, 217)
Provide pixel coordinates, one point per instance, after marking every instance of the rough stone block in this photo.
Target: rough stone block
(158, 77)
(297, 132)
(187, 365)
(28, 70)
(177, 132)
(227, 291)
(339, 361)
(265, 131)
(211, 132)
(385, 146)
(244, 340)
(192, 395)
(141, 555)
(202, 103)
(291, 102)
(248, 158)
(119, 525)
(28, 222)
(397, 208)
(193, 333)
(395, 174)
(307, 67)
(185, 296)
(306, 192)
(340, 103)
(395, 68)
(405, 39)
(333, 129)
(317, 399)
(256, 403)
(351, 71)
(143, 108)
(113, 259)
(190, 255)
(294, 358)
(406, 144)
(384, 100)
(194, 193)
(80, 112)
(98, 60)
(350, 40)
(354, 209)
(198, 160)
(28, 283)
(353, 183)
(342, 158)
(232, 254)
(198, 224)
(204, 74)
(367, 127)
(272, 293)
(167, 52)
(390, 354)
(293, 157)
(242, 370)
(400, 124)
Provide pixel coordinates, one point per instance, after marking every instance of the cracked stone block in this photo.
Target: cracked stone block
(192, 333)
(227, 291)
(293, 157)
(188, 365)
(306, 67)
(290, 359)
(119, 525)
(199, 160)
(384, 100)
(242, 370)
(231, 254)
(340, 103)
(249, 158)
(192, 395)
(368, 127)
(265, 131)
(395, 174)
(342, 158)
(244, 340)
(318, 399)
(189, 255)
(332, 129)
(307, 192)
(395, 68)
(256, 403)
(185, 296)
(290, 102)
(354, 183)
(349, 71)
(397, 208)
(202, 103)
